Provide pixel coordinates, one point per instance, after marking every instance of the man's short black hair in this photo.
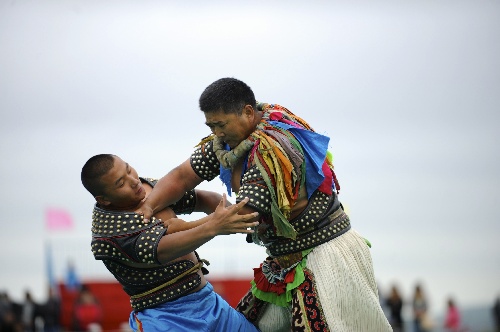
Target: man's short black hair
(228, 95)
(92, 171)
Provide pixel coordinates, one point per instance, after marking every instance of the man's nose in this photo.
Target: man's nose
(219, 133)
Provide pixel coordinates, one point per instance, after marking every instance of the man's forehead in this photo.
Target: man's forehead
(117, 161)
(220, 116)
(115, 172)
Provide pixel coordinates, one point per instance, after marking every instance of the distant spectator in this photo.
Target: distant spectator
(421, 319)
(29, 311)
(51, 312)
(382, 300)
(87, 313)
(395, 305)
(7, 314)
(5, 307)
(72, 279)
(452, 319)
(496, 314)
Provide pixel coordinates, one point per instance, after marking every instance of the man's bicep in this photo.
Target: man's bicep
(207, 201)
(165, 214)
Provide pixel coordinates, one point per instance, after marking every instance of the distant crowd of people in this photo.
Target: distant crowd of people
(422, 320)
(30, 316)
(22, 316)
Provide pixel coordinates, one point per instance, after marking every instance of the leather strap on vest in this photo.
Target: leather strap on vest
(338, 224)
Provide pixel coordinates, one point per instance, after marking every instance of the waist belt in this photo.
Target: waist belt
(338, 224)
(181, 285)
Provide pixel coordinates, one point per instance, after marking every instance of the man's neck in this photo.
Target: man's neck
(258, 117)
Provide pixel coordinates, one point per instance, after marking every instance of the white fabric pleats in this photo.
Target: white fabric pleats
(346, 286)
(276, 319)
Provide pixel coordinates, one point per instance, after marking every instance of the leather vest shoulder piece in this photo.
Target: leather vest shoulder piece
(123, 236)
(204, 162)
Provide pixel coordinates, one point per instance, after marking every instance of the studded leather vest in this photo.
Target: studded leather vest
(322, 220)
(128, 249)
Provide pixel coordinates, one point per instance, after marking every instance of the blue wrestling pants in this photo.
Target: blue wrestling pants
(203, 311)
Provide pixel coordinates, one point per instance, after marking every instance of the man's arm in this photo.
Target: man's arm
(175, 225)
(224, 221)
(207, 201)
(169, 189)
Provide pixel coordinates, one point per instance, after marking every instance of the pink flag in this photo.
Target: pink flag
(58, 220)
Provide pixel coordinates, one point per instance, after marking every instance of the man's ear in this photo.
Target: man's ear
(102, 200)
(249, 111)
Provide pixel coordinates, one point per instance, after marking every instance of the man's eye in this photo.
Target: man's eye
(121, 185)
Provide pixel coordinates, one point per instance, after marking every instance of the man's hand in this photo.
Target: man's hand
(146, 211)
(226, 220)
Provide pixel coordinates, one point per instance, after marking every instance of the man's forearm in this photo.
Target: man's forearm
(178, 244)
(178, 225)
(224, 221)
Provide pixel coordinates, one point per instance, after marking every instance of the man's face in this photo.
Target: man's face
(121, 186)
(231, 128)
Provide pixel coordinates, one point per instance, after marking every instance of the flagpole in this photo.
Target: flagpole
(49, 266)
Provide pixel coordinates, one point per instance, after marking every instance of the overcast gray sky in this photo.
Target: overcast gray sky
(408, 92)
